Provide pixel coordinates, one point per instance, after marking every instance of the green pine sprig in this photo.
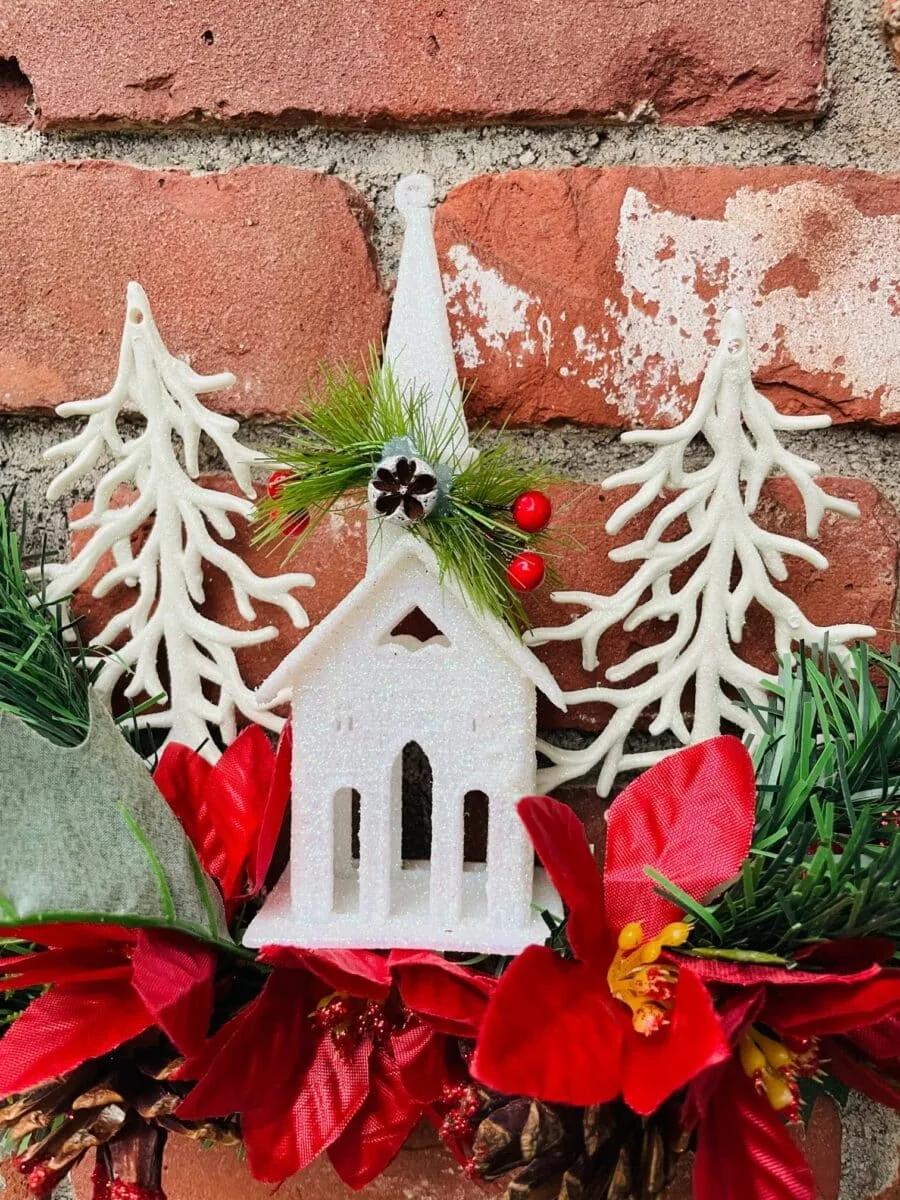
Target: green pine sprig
(825, 857)
(43, 678)
(339, 439)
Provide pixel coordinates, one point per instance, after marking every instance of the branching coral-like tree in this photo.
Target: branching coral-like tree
(736, 565)
(164, 564)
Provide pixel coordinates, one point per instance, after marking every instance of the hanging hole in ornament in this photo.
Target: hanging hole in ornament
(735, 345)
(416, 798)
(414, 631)
(135, 316)
(475, 828)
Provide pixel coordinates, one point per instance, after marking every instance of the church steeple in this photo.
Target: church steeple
(419, 349)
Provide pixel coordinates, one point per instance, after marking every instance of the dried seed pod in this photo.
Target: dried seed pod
(403, 489)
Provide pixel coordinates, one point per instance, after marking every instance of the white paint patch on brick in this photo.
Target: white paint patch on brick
(499, 315)
(818, 281)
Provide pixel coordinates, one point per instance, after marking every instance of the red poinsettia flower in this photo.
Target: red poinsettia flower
(107, 985)
(232, 810)
(618, 1018)
(782, 1025)
(342, 1051)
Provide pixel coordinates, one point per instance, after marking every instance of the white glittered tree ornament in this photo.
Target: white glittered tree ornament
(164, 563)
(736, 561)
(405, 664)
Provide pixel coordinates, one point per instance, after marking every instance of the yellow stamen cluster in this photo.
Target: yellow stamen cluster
(637, 978)
(775, 1069)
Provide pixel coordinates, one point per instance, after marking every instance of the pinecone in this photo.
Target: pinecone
(605, 1152)
(121, 1105)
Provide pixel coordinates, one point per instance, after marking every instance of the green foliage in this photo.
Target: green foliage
(42, 678)
(340, 438)
(825, 857)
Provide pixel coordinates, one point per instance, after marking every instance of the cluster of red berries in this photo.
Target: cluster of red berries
(531, 512)
(298, 522)
(461, 1100)
(40, 1180)
(348, 1020)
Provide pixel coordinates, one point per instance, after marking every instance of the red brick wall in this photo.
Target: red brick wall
(612, 173)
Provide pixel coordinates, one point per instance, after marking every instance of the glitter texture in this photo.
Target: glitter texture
(404, 659)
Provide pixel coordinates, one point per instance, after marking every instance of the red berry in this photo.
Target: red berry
(276, 481)
(532, 511)
(296, 524)
(526, 571)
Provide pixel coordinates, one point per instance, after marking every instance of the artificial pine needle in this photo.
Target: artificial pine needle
(42, 680)
(339, 439)
(825, 857)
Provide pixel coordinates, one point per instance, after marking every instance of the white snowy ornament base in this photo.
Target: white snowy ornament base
(408, 926)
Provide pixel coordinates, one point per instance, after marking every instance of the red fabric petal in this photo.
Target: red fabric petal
(174, 977)
(238, 791)
(690, 818)
(451, 997)
(264, 1060)
(376, 1134)
(562, 846)
(744, 1150)
(418, 1056)
(833, 1007)
(283, 1139)
(182, 776)
(74, 935)
(196, 1065)
(66, 1026)
(753, 974)
(736, 1014)
(359, 972)
(856, 1072)
(656, 1066)
(89, 965)
(880, 1040)
(847, 956)
(272, 817)
(552, 1030)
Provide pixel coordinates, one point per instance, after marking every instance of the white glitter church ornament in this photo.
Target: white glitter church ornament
(165, 565)
(739, 561)
(406, 661)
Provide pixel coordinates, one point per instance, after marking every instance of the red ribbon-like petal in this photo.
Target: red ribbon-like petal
(449, 996)
(174, 977)
(690, 817)
(283, 1138)
(552, 1030)
(66, 1026)
(744, 1150)
(562, 846)
(362, 973)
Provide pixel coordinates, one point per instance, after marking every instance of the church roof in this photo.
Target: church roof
(409, 548)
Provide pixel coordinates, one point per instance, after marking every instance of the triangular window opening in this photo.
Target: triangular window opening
(414, 631)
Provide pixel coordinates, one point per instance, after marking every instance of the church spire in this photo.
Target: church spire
(418, 348)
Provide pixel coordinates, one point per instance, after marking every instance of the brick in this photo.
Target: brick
(397, 62)
(859, 586)
(423, 1170)
(15, 94)
(264, 271)
(594, 295)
